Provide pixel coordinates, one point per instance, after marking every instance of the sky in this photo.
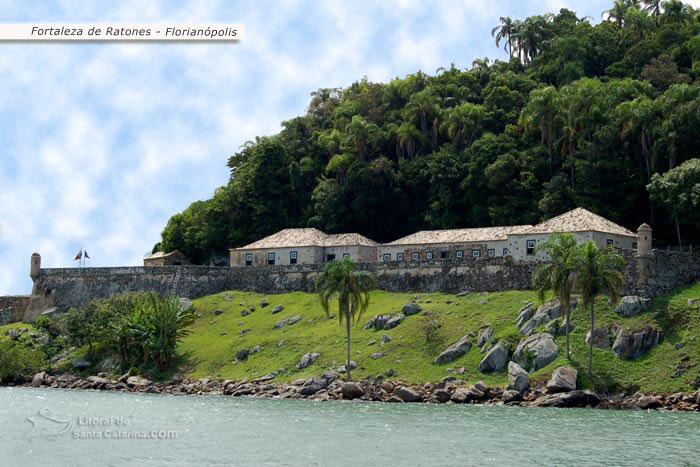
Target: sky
(100, 143)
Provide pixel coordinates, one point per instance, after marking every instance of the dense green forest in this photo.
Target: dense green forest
(581, 115)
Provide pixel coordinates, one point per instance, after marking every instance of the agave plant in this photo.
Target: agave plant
(148, 336)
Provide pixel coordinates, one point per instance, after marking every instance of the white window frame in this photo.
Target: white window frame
(249, 259)
(346, 255)
(293, 257)
(415, 256)
(399, 256)
(271, 257)
(528, 247)
(476, 253)
(386, 257)
(609, 242)
(491, 252)
(505, 252)
(428, 255)
(459, 254)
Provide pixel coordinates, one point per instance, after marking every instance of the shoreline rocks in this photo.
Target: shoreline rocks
(328, 387)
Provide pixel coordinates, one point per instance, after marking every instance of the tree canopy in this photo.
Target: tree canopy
(581, 115)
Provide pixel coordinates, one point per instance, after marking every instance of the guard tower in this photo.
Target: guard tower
(35, 266)
(644, 240)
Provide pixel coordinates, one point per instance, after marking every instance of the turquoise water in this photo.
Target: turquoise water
(51, 427)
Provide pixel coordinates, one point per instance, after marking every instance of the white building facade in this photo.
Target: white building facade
(518, 242)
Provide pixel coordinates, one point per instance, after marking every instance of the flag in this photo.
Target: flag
(86, 255)
(78, 256)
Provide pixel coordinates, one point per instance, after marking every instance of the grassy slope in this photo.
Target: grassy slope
(215, 339)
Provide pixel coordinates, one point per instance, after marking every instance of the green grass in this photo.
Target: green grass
(214, 339)
(210, 347)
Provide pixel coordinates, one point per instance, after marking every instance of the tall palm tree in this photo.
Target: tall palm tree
(597, 272)
(558, 274)
(617, 12)
(352, 288)
(654, 8)
(542, 112)
(505, 31)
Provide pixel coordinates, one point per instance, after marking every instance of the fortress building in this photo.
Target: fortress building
(311, 246)
(304, 246)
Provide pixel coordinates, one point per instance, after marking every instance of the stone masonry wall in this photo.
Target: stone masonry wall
(72, 287)
(12, 308)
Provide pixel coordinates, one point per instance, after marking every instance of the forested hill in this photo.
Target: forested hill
(581, 115)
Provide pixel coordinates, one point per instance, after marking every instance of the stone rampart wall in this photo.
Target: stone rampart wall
(12, 308)
(70, 287)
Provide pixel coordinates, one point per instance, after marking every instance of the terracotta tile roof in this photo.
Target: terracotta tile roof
(479, 234)
(349, 239)
(308, 237)
(579, 220)
(162, 254)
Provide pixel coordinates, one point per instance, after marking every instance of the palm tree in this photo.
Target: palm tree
(463, 123)
(505, 31)
(653, 7)
(406, 136)
(542, 112)
(558, 274)
(352, 288)
(617, 12)
(597, 272)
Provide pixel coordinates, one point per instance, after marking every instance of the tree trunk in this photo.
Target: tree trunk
(571, 161)
(590, 344)
(347, 328)
(678, 231)
(568, 319)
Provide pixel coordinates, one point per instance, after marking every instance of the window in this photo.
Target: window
(429, 255)
(609, 242)
(476, 253)
(399, 256)
(330, 257)
(346, 255)
(530, 247)
(444, 254)
(249, 259)
(491, 252)
(634, 245)
(270, 258)
(459, 254)
(505, 252)
(387, 257)
(292, 257)
(415, 256)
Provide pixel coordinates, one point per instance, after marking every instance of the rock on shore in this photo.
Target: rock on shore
(328, 387)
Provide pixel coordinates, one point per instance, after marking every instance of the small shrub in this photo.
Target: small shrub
(429, 325)
(15, 359)
(50, 327)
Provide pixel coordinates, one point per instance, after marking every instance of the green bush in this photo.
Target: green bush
(429, 325)
(91, 324)
(149, 335)
(51, 327)
(15, 359)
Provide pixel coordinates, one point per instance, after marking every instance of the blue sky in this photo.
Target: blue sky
(102, 143)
